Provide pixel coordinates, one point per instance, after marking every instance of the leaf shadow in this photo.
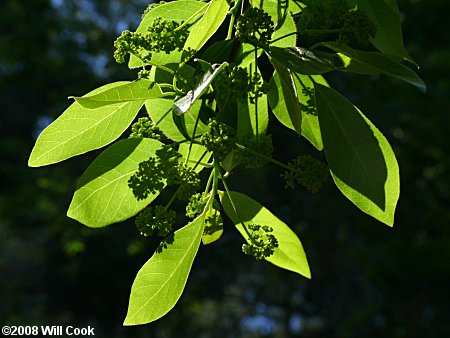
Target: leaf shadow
(110, 159)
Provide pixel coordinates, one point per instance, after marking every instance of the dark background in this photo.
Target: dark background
(368, 280)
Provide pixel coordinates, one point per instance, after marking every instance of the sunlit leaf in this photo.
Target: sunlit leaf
(136, 91)
(288, 94)
(161, 280)
(195, 153)
(180, 10)
(360, 158)
(289, 254)
(305, 91)
(79, 129)
(215, 14)
(103, 196)
(175, 127)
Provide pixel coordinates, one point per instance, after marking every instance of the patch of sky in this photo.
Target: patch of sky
(296, 323)
(97, 63)
(260, 324)
(41, 123)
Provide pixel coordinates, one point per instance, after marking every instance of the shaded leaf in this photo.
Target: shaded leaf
(289, 254)
(305, 61)
(384, 14)
(373, 62)
(79, 129)
(161, 280)
(103, 196)
(361, 160)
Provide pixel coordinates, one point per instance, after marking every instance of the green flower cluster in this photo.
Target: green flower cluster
(262, 145)
(157, 220)
(161, 36)
(152, 6)
(144, 128)
(255, 27)
(220, 139)
(187, 179)
(359, 23)
(235, 82)
(262, 243)
(320, 16)
(306, 171)
(164, 168)
(197, 204)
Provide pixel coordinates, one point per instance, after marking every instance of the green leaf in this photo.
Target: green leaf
(219, 51)
(103, 196)
(305, 91)
(280, 14)
(305, 61)
(250, 121)
(178, 11)
(182, 105)
(196, 152)
(161, 281)
(288, 95)
(211, 20)
(177, 128)
(212, 231)
(384, 14)
(247, 124)
(361, 160)
(373, 62)
(289, 254)
(137, 91)
(79, 129)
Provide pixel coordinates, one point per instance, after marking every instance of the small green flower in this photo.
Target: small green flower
(144, 128)
(255, 27)
(306, 171)
(220, 139)
(262, 243)
(155, 219)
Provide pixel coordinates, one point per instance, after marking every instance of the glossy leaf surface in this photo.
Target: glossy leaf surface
(305, 61)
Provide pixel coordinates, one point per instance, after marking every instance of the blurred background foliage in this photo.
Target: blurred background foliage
(368, 280)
